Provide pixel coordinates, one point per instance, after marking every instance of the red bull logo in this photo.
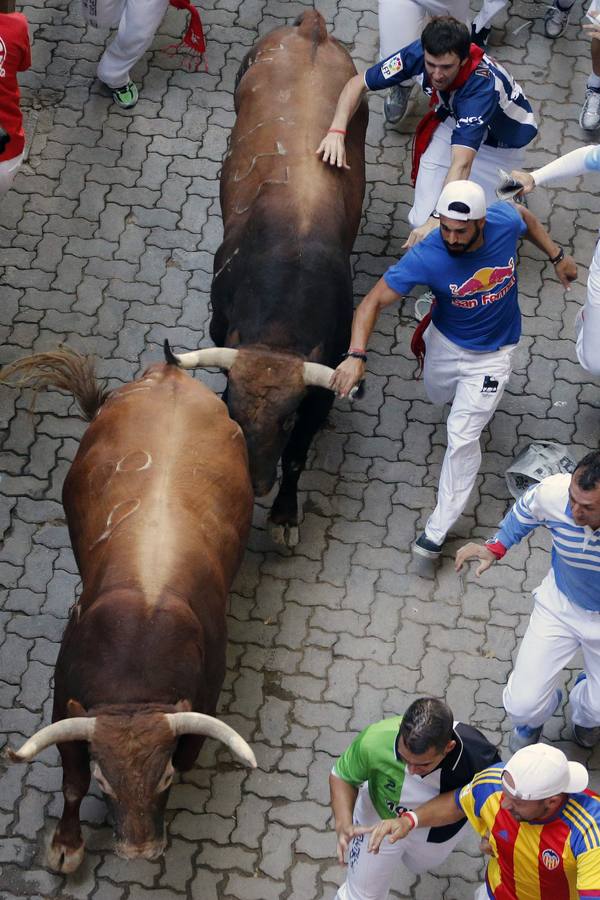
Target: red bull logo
(484, 280)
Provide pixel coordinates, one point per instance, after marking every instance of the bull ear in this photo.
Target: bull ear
(183, 706)
(234, 339)
(75, 709)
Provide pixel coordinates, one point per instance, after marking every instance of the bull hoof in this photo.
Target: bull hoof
(284, 535)
(64, 859)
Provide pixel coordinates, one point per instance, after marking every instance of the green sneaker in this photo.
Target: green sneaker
(126, 96)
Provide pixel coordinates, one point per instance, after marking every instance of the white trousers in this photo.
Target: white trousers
(481, 893)
(435, 163)
(369, 875)
(588, 321)
(485, 15)
(137, 21)
(457, 375)
(557, 630)
(8, 170)
(401, 21)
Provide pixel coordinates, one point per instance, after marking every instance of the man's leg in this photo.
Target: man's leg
(481, 384)
(102, 13)
(588, 321)
(487, 12)
(137, 27)
(369, 875)
(549, 643)
(589, 118)
(8, 170)
(400, 23)
(435, 163)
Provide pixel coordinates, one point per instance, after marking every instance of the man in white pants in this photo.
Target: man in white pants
(391, 767)
(566, 614)
(470, 265)
(137, 21)
(480, 119)
(577, 162)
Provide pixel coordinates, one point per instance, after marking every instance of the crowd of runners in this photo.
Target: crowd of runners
(404, 789)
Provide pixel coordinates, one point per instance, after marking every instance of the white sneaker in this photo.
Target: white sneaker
(589, 117)
(555, 21)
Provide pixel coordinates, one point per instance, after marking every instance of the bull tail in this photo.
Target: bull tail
(311, 25)
(64, 369)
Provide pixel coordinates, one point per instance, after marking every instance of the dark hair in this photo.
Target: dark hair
(444, 34)
(588, 471)
(427, 723)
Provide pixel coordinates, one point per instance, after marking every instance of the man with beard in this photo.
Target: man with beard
(469, 263)
(538, 820)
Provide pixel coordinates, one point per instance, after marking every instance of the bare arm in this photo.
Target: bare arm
(460, 169)
(343, 798)
(442, 810)
(351, 370)
(333, 146)
(566, 268)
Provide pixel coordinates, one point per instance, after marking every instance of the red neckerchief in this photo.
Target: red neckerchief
(428, 124)
(193, 40)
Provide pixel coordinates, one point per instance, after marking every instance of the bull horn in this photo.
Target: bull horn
(198, 723)
(80, 728)
(317, 375)
(220, 357)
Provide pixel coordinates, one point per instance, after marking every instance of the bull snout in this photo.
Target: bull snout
(147, 850)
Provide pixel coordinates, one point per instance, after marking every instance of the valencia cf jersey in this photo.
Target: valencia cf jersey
(476, 293)
(373, 758)
(557, 859)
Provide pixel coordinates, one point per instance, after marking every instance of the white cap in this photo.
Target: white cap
(541, 771)
(462, 200)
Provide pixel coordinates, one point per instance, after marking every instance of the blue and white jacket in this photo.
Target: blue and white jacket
(490, 108)
(575, 548)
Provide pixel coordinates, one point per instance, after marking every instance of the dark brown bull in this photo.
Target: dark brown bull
(282, 287)
(158, 503)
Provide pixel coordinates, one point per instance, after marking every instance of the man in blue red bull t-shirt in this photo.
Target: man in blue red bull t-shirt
(479, 118)
(470, 265)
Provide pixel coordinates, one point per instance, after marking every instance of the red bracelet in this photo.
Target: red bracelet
(411, 814)
(356, 350)
(336, 131)
(496, 548)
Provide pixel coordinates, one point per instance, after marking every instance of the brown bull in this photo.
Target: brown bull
(158, 503)
(282, 286)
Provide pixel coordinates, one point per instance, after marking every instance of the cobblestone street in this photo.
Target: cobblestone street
(107, 244)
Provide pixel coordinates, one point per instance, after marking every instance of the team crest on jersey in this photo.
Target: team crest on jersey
(392, 66)
(551, 859)
(2, 58)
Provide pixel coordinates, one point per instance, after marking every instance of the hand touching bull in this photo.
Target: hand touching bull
(332, 148)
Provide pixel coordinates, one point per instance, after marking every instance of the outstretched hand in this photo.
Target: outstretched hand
(347, 375)
(417, 234)
(332, 149)
(474, 551)
(525, 179)
(393, 829)
(344, 839)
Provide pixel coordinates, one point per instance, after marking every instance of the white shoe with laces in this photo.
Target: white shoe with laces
(589, 117)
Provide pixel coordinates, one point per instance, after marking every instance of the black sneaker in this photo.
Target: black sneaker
(396, 102)
(424, 547)
(480, 37)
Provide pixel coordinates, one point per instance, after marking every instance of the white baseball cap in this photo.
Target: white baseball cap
(541, 771)
(462, 200)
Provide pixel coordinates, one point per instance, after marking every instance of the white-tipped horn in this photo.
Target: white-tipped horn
(80, 728)
(198, 723)
(317, 375)
(221, 357)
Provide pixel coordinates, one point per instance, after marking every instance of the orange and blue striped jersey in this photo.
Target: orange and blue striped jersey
(554, 860)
